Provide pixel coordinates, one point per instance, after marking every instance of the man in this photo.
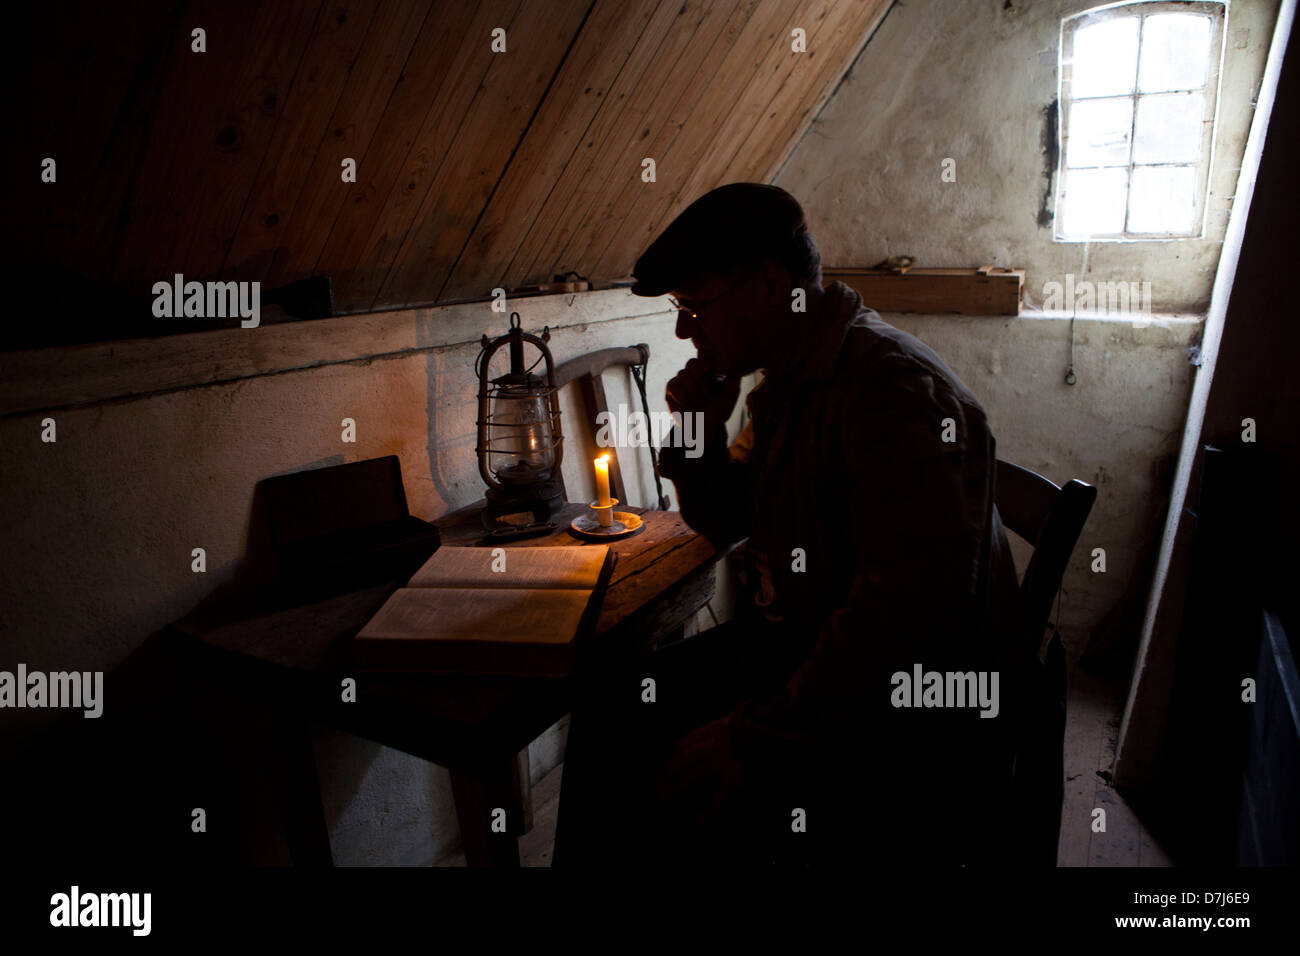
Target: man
(863, 482)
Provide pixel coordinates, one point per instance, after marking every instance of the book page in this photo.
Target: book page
(503, 615)
(549, 567)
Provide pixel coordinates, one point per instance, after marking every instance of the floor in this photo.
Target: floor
(1092, 728)
(1092, 725)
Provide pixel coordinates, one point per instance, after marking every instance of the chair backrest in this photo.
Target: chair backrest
(304, 505)
(585, 371)
(341, 527)
(1050, 518)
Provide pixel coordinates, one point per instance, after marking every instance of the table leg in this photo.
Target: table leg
(298, 792)
(482, 795)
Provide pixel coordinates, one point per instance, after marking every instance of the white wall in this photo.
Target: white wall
(159, 446)
(973, 81)
(98, 527)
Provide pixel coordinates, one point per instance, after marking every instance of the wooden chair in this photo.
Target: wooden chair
(586, 371)
(1050, 518)
(342, 528)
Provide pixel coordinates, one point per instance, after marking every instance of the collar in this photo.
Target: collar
(819, 345)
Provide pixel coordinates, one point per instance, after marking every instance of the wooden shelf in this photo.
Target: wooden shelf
(984, 291)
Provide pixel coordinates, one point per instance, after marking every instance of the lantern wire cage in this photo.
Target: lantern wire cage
(520, 441)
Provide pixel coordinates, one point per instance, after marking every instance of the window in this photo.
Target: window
(1139, 87)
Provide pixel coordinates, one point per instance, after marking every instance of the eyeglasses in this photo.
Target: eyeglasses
(693, 309)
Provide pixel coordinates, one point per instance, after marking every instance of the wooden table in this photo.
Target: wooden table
(478, 727)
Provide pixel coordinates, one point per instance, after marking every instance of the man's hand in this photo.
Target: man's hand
(701, 776)
(697, 388)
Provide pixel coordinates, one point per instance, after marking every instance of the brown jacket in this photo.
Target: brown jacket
(864, 482)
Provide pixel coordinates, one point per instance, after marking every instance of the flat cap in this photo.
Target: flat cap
(735, 224)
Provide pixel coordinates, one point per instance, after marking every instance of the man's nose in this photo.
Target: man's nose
(687, 325)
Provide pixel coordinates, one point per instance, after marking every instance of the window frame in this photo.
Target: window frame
(1218, 11)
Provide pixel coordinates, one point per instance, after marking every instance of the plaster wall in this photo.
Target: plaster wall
(99, 526)
(975, 81)
(1118, 427)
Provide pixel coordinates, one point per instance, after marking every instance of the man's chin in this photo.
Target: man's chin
(724, 368)
(738, 370)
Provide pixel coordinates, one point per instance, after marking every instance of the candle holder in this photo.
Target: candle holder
(606, 524)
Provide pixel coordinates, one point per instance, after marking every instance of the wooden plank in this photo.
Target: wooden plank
(301, 129)
(1084, 723)
(418, 125)
(45, 76)
(964, 291)
(184, 122)
(501, 110)
(349, 133)
(674, 109)
(252, 111)
(602, 50)
(712, 167)
(840, 37)
(756, 49)
(65, 376)
(637, 112)
(106, 212)
(1118, 845)
(104, 130)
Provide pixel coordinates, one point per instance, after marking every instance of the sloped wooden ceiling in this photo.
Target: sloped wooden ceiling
(474, 169)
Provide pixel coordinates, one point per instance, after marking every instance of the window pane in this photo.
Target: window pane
(1175, 52)
(1163, 199)
(1169, 128)
(1098, 132)
(1105, 58)
(1094, 201)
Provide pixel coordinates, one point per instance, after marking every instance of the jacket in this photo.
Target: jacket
(864, 482)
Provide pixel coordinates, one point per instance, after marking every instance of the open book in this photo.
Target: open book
(465, 611)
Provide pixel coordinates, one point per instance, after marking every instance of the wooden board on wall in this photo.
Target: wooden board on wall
(964, 291)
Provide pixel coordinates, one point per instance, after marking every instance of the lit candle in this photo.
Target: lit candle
(602, 480)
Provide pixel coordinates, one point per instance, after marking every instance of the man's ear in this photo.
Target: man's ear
(776, 280)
